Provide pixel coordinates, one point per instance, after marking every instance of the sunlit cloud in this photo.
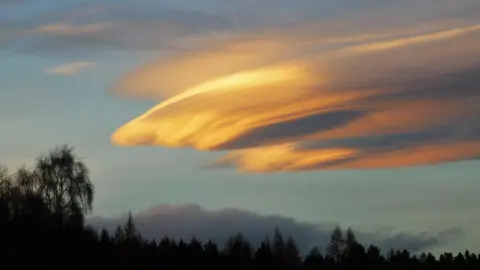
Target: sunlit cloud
(306, 98)
(65, 29)
(450, 33)
(71, 68)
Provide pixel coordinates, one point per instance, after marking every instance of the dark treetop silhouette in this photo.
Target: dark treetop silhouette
(42, 223)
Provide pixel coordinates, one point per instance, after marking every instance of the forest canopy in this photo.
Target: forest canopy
(42, 215)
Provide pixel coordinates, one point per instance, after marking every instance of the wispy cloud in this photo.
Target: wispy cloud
(104, 25)
(65, 29)
(71, 68)
(87, 26)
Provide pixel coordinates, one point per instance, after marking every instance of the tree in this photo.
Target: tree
(336, 244)
(430, 261)
(5, 189)
(25, 180)
(211, 249)
(239, 252)
(351, 243)
(446, 259)
(129, 230)
(119, 235)
(278, 243)
(238, 246)
(314, 259)
(104, 237)
(211, 255)
(291, 254)
(264, 255)
(350, 239)
(195, 246)
(33, 200)
(64, 183)
(459, 261)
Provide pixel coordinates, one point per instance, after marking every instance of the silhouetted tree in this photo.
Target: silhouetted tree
(119, 235)
(291, 255)
(314, 259)
(41, 222)
(278, 243)
(335, 247)
(239, 252)
(264, 255)
(64, 183)
(353, 251)
(130, 232)
(350, 240)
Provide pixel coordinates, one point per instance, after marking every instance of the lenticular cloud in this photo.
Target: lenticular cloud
(301, 100)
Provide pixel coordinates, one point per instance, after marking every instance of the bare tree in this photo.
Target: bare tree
(63, 182)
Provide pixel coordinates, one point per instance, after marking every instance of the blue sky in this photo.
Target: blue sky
(39, 110)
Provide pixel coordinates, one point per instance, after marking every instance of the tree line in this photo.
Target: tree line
(42, 224)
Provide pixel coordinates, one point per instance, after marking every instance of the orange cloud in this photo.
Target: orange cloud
(265, 99)
(422, 155)
(409, 41)
(283, 158)
(63, 29)
(288, 158)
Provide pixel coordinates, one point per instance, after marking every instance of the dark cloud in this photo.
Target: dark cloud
(378, 144)
(303, 126)
(186, 221)
(387, 142)
(460, 84)
(122, 26)
(412, 242)
(465, 129)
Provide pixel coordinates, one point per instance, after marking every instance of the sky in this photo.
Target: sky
(245, 115)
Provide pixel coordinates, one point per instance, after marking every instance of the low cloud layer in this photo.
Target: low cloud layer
(315, 96)
(186, 221)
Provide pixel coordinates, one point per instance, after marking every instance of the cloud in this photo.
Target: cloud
(284, 82)
(7, 3)
(171, 25)
(63, 29)
(93, 26)
(186, 221)
(308, 97)
(71, 68)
